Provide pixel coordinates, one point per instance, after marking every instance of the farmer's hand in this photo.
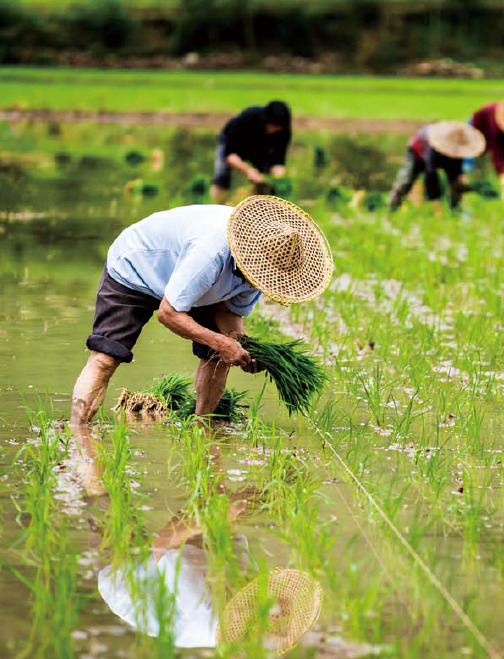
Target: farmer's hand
(254, 176)
(253, 367)
(277, 170)
(232, 353)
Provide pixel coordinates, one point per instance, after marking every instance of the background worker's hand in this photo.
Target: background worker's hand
(277, 170)
(232, 353)
(253, 367)
(254, 176)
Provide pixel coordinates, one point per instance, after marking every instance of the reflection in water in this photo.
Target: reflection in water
(133, 593)
(171, 590)
(278, 606)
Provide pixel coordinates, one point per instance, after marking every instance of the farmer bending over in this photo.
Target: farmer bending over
(202, 269)
(438, 146)
(489, 120)
(254, 143)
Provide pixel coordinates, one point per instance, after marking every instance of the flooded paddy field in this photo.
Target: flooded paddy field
(383, 507)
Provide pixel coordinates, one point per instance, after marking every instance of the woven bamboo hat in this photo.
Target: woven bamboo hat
(296, 602)
(280, 249)
(499, 114)
(456, 139)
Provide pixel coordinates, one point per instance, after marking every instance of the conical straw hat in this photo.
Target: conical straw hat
(456, 139)
(499, 114)
(279, 249)
(297, 599)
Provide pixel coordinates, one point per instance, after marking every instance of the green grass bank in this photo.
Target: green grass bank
(207, 92)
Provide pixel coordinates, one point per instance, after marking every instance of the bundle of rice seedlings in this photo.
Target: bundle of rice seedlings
(169, 393)
(172, 390)
(337, 196)
(229, 408)
(280, 186)
(373, 201)
(297, 376)
(139, 402)
(485, 189)
(134, 158)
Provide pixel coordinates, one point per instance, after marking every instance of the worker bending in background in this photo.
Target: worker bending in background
(444, 145)
(254, 143)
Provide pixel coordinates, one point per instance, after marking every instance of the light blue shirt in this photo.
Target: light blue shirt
(182, 254)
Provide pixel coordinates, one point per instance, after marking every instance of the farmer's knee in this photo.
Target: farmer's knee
(105, 363)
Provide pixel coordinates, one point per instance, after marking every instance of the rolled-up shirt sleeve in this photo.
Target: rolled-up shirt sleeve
(194, 275)
(243, 303)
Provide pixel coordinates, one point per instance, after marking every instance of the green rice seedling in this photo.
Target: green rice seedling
(134, 158)
(373, 201)
(337, 196)
(173, 390)
(255, 426)
(196, 190)
(54, 596)
(485, 189)
(297, 376)
(122, 521)
(229, 409)
(373, 394)
(320, 159)
(280, 186)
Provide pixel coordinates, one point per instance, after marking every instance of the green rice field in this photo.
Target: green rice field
(136, 537)
(207, 92)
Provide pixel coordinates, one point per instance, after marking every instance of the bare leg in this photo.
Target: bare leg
(211, 379)
(218, 195)
(91, 385)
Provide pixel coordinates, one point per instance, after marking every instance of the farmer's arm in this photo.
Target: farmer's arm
(179, 530)
(182, 324)
(250, 172)
(229, 322)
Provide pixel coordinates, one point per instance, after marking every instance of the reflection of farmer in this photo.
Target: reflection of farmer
(489, 120)
(274, 610)
(438, 146)
(201, 268)
(254, 143)
(177, 565)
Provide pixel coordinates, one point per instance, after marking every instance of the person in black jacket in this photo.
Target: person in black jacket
(255, 143)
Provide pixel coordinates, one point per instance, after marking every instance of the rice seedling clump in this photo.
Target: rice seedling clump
(172, 394)
(297, 375)
(229, 407)
(167, 394)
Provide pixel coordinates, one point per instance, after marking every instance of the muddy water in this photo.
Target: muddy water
(53, 240)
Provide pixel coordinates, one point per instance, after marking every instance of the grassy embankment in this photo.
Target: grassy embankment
(177, 91)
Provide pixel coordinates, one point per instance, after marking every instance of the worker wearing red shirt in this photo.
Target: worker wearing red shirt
(489, 120)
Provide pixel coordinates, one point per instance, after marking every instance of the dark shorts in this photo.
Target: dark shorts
(121, 313)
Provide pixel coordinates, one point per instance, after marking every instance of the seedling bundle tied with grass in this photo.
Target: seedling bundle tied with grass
(172, 395)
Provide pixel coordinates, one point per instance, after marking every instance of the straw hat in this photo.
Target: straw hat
(296, 602)
(499, 114)
(456, 139)
(279, 249)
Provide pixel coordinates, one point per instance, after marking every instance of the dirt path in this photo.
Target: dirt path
(208, 120)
